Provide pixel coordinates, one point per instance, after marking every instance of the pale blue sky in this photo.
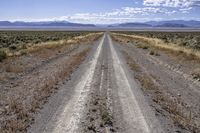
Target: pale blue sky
(99, 11)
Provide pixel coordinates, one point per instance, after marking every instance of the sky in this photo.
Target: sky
(99, 11)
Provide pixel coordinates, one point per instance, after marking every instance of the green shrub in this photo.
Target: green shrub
(2, 55)
(154, 53)
(145, 47)
(151, 52)
(23, 52)
(13, 47)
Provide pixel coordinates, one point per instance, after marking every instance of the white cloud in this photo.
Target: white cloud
(141, 11)
(120, 15)
(172, 3)
(185, 10)
(124, 14)
(151, 9)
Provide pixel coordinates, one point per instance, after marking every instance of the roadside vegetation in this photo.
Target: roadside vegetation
(20, 39)
(2, 55)
(186, 44)
(15, 43)
(182, 45)
(186, 39)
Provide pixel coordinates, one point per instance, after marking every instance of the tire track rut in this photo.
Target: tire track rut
(105, 99)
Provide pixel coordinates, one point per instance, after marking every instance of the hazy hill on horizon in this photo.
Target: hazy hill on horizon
(170, 23)
(44, 23)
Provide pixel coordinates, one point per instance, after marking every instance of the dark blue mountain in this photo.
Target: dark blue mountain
(7, 23)
(172, 25)
(190, 23)
(46, 24)
(131, 25)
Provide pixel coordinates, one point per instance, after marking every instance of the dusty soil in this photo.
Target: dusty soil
(167, 81)
(27, 81)
(118, 87)
(101, 96)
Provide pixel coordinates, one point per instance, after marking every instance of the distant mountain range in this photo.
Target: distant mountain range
(131, 25)
(172, 23)
(190, 23)
(43, 24)
(162, 24)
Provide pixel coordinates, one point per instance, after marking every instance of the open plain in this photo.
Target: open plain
(100, 82)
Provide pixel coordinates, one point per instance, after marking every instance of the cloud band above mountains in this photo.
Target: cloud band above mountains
(148, 9)
(172, 3)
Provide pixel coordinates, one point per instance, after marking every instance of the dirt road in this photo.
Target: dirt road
(105, 84)
(102, 96)
(122, 88)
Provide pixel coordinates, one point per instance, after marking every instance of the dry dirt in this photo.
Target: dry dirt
(168, 81)
(102, 96)
(116, 87)
(27, 81)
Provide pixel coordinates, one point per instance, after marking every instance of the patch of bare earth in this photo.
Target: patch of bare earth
(27, 81)
(169, 79)
(166, 103)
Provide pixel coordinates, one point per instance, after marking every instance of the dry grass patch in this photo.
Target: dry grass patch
(34, 47)
(188, 53)
(56, 44)
(143, 46)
